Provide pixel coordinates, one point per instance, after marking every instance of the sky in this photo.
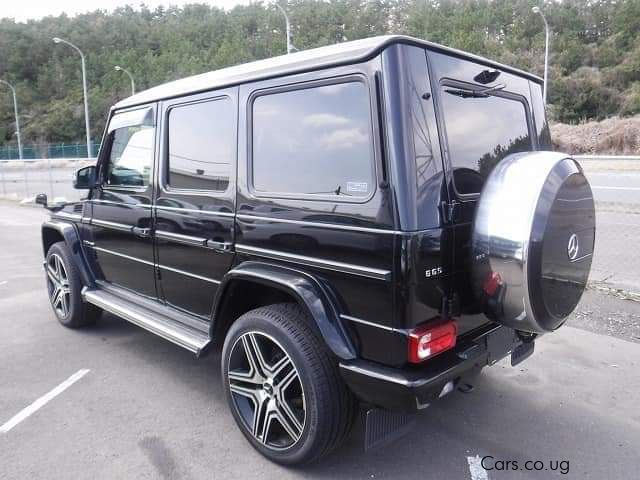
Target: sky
(23, 10)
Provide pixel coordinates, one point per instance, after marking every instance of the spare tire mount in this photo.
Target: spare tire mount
(533, 239)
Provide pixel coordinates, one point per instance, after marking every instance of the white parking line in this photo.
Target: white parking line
(3, 282)
(42, 401)
(475, 468)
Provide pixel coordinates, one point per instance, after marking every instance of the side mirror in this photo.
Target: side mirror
(85, 178)
(41, 199)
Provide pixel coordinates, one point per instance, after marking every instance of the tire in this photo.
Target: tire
(316, 405)
(64, 287)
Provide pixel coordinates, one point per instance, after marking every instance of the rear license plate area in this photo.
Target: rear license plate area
(501, 343)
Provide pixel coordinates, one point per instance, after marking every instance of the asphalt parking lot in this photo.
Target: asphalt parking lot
(148, 409)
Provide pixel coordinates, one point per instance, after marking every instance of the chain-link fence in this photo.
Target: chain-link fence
(34, 151)
(615, 182)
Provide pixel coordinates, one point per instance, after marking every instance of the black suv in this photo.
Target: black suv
(366, 223)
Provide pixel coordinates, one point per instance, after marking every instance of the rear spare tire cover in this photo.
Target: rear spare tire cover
(533, 239)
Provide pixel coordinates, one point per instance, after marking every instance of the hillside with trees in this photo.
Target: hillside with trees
(595, 62)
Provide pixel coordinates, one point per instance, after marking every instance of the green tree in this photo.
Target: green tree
(595, 54)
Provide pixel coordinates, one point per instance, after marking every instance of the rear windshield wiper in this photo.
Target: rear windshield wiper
(470, 93)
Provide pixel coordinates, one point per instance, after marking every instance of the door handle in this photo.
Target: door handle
(220, 246)
(141, 232)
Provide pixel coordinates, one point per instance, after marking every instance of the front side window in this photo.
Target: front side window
(314, 141)
(131, 156)
(481, 131)
(201, 145)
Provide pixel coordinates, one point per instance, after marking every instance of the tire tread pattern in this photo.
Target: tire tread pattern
(333, 397)
(81, 314)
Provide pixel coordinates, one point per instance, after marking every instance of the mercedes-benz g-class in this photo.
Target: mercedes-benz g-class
(369, 223)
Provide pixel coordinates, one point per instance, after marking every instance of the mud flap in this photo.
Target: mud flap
(383, 427)
(522, 352)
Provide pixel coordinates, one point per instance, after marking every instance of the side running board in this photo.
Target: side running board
(162, 325)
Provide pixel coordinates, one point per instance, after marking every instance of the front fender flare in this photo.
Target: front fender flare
(71, 236)
(308, 291)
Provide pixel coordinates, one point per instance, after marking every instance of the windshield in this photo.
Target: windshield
(481, 131)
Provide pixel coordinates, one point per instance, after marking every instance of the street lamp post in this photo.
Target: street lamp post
(84, 88)
(288, 26)
(15, 112)
(118, 68)
(546, 51)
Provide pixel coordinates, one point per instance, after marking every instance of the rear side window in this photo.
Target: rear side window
(314, 142)
(481, 132)
(201, 145)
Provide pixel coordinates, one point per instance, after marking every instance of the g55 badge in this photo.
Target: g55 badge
(433, 272)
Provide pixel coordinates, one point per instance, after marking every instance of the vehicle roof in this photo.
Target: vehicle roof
(306, 60)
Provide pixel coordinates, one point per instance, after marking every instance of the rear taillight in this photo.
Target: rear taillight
(430, 340)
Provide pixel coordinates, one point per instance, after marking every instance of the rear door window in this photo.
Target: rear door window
(481, 131)
(201, 145)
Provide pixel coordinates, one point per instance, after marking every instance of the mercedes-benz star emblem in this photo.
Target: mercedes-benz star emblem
(573, 247)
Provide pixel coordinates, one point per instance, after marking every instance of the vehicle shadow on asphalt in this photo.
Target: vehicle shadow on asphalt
(506, 416)
(203, 374)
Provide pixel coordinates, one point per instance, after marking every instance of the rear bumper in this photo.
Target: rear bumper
(413, 388)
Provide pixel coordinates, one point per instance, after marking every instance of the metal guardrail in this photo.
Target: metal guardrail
(20, 179)
(606, 157)
(615, 182)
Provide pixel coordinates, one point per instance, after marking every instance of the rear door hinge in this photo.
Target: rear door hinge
(449, 210)
(451, 306)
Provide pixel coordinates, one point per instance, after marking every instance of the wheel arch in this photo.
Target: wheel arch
(267, 283)
(50, 236)
(54, 231)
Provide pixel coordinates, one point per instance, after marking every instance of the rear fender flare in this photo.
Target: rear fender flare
(308, 291)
